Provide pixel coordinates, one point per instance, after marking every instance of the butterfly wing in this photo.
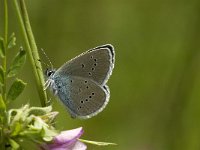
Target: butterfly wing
(83, 98)
(96, 64)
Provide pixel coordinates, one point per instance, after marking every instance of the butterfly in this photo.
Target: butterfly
(80, 83)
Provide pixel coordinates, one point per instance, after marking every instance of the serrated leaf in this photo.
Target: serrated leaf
(17, 63)
(1, 76)
(2, 49)
(12, 41)
(16, 89)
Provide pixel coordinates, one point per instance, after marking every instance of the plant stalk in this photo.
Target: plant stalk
(31, 47)
(4, 87)
(5, 47)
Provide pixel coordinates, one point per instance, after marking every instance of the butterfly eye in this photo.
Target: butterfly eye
(49, 73)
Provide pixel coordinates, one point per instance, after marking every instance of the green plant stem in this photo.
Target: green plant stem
(3, 100)
(32, 49)
(5, 46)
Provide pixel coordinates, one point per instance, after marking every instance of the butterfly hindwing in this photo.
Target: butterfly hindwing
(83, 98)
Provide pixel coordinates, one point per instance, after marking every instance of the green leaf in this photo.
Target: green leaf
(14, 144)
(39, 111)
(2, 49)
(16, 89)
(12, 41)
(16, 129)
(48, 134)
(17, 63)
(2, 104)
(1, 75)
(97, 143)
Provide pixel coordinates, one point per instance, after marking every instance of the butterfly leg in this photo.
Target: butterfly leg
(47, 84)
(55, 92)
(49, 102)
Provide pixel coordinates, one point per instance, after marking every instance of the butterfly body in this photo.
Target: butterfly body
(80, 83)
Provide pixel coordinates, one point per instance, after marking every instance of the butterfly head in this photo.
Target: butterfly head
(49, 72)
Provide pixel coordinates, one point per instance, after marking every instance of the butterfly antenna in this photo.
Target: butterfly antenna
(44, 63)
(51, 65)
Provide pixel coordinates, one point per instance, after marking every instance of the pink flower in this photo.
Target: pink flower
(66, 140)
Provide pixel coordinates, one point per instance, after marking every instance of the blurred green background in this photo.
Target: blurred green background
(155, 86)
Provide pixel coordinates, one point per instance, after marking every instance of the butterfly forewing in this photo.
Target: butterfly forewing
(96, 64)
